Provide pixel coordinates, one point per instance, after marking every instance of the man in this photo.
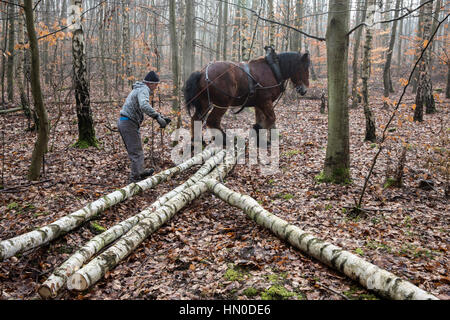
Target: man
(131, 117)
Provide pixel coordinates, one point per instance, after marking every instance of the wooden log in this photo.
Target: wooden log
(43, 235)
(10, 110)
(60, 275)
(367, 274)
(96, 269)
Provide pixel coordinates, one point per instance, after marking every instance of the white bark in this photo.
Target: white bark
(43, 235)
(370, 276)
(59, 277)
(94, 270)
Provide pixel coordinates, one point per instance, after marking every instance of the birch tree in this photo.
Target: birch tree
(370, 134)
(41, 144)
(86, 131)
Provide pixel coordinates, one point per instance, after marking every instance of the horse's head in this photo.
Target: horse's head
(300, 78)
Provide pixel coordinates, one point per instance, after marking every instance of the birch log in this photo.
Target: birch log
(96, 269)
(33, 239)
(59, 277)
(370, 276)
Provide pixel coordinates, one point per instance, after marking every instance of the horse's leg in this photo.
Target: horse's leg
(214, 120)
(259, 121)
(198, 117)
(265, 119)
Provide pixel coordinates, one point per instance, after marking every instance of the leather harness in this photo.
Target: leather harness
(271, 59)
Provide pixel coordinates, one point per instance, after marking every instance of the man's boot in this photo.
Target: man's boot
(146, 173)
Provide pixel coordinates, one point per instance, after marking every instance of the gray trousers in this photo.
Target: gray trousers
(131, 137)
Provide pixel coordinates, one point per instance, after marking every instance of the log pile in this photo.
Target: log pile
(78, 273)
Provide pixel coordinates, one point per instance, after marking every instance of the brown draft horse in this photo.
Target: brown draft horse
(224, 84)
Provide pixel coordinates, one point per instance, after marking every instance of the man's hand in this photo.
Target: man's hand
(167, 119)
(162, 123)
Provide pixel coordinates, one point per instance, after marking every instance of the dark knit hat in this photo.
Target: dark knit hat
(151, 77)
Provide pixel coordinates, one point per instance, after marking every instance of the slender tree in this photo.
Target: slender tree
(11, 54)
(20, 75)
(387, 81)
(126, 41)
(355, 63)
(370, 120)
(296, 37)
(41, 144)
(424, 93)
(225, 30)
(86, 131)
(175, 65)
(188, 45)
(337, 160)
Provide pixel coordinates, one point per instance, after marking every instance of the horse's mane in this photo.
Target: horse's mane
(289, 63)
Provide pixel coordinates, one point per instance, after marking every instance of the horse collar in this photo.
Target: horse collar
(273, 62)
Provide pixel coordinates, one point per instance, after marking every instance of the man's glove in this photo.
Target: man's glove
(162, 123)
(167, 119)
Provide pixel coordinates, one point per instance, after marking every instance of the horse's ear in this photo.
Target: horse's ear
(305, 57)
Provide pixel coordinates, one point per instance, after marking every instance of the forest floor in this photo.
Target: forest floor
(211, 250)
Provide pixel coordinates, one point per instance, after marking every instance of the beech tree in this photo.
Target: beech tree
(337, 160)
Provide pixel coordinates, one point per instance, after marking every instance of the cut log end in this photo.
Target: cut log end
(77, 282)
(45, 292)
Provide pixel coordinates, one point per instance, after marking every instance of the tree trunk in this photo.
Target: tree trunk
(45, 47)
(10, 64)
(219, 31)
(189, 48)
(244, 31)
(40, 146)
(337, 161)
(447, 92)
(33, 239)
(437, 11)
(370, 120)
(126, 41)
(102, 35)
(424, 93)
(4, 56)
(59, 277)
(96, 269)
(387, 66)
(271, 16)
(86, 131)
(20, 76)
(368, 275)
(355, 63)
(400, 42)
(225, 30)
(175, 64)
(420, 37)
(296, 44)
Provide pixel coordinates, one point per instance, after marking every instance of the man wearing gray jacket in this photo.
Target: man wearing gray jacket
(131, 117)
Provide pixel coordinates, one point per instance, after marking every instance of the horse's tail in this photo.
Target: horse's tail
(190, 91)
